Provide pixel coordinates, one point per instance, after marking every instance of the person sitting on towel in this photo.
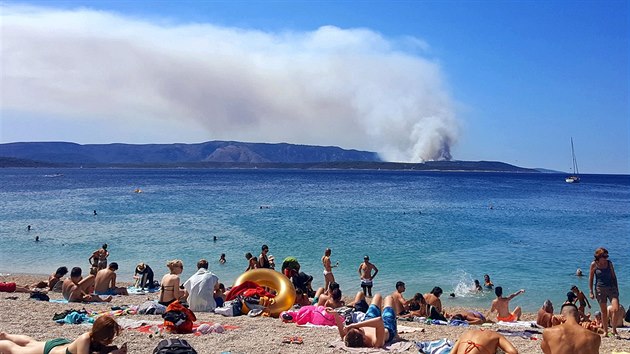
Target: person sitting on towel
(501, 306)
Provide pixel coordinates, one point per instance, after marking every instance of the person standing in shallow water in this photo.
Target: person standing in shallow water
(328, 274)
(606, 287)
(367, 277)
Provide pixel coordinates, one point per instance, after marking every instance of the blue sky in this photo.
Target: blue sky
(516, 78)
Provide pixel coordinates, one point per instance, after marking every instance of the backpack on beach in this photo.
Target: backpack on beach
(174, 346)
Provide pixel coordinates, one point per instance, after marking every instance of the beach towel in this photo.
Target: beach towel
(407, 329)
(247, 289)
(393, 347)
(526, 334)
(147, 328)
(441, 346)
(522, 324)
(75, 318)
(132, 290)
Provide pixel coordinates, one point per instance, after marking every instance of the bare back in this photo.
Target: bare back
(476, 341)
(170, 288)
(569, 338)
(105, 279)
(501, 306)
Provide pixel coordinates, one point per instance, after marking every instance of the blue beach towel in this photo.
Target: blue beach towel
(442, 346)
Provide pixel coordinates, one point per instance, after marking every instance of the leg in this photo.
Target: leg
(369, 289)
(377, 300)
(517, 312)
(604, 311)
(319, 292)
(389, 301)
(358, 297)
(121, 291)
(364, 289)
(86, 283)
(18, 339)
(614, 312)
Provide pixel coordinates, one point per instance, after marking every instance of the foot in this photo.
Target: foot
(3, 335)
(108, 299)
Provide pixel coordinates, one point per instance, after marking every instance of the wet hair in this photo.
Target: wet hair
(486, 276)
(104, 246)
(336, 294)
(104, 330)
(202, 264)
(477, 282)
(353, 339)
(61, 271)
(437, 291)
(222, 255)
(75, 272)
(498, 291)
(174, 263)
(248, 255)
(399, 283)
(113, 266)
(600, 252)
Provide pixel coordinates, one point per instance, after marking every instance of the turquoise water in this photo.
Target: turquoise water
(427, 229)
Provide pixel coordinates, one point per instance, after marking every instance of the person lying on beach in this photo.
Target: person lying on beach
(470, 316)
(546, 318)
(12, 287)
(479, 341)
(594, 325)
(98, 339)
(399, 300)
(77, 289)
(170, 289)
(570, 337)
(501, 306)
(105, 281)
(377, 328)
(53, 282)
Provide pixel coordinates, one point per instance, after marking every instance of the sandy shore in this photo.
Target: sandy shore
(253, 335)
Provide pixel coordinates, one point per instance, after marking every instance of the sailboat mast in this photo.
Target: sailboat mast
(575, 166)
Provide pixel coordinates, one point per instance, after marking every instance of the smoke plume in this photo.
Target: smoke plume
(353, 88)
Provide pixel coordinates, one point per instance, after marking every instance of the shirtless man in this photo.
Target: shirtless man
(399, 300)
(546, 318)
(581, 298)
(501, 306)
(479, 341)
(328, 275)
(105, 282)
(570, 337)
(77, 289)
(367, 278)
(377, 329)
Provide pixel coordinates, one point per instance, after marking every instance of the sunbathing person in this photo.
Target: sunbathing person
(501, 306)
(170, 290)
(12, 287)
(98, 339)
(479, 341)
(570, 337)
(546, 318)
(376, 329)
(77, 289)
(53, 283)
(105, 281)
(470, 316)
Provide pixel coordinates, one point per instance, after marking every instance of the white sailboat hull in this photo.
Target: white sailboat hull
(572, 179)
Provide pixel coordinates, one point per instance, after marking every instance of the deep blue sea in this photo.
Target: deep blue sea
(425, 228)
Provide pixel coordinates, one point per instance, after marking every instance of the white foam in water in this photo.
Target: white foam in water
(465, 285)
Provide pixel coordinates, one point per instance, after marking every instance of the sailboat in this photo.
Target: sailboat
(575, 177)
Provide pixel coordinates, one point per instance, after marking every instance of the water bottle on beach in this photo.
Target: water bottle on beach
(155, 331)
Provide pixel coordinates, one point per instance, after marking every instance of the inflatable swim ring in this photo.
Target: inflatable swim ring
(285, 291)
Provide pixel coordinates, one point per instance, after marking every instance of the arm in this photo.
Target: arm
(375, 271)
(516, 294)
(614, 276)
(339, 322)
(113, 281)
(83, 344)
(360, 275)
(506, 346)
(591, 275)
(586, 299)
(544, 346)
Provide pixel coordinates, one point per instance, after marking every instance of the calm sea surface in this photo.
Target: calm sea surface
(427, 229)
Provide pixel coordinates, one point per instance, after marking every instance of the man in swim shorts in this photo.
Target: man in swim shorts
(77, 289)
(570, 337)
(480, 341)
(105, 281)
(501, 306)
(377, 328)
(367, 277)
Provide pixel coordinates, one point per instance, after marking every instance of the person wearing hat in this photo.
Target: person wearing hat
(144, 276)
(367, 277)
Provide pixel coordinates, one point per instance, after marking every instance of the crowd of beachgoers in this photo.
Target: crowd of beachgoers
(194, 307)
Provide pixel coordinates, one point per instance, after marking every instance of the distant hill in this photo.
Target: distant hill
(220, 154)
(212, 151)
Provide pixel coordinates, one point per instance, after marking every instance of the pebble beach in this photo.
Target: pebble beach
(21, 315)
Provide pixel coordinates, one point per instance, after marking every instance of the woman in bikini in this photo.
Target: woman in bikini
(98, 339)
(170, 289)
(328, 274)
(606, 287)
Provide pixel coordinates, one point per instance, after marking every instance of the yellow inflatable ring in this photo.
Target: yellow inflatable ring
(285, 292)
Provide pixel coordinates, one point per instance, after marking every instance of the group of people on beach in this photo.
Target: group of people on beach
(203, 292)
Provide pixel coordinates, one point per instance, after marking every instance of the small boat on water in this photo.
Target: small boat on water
(575, 177)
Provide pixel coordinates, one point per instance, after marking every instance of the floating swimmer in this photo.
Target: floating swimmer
(138, 190)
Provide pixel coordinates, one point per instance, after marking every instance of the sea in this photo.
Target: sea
(527, 231)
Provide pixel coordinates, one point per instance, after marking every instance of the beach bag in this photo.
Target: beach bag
(174, 346)
(178, 319)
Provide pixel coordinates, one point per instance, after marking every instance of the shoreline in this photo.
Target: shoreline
(34, 318)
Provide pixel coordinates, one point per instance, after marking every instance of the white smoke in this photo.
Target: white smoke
(352, 88)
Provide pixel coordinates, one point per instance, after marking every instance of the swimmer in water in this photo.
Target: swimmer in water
(578, 272)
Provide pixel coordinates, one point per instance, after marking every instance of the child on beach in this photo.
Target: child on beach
(581, 298)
